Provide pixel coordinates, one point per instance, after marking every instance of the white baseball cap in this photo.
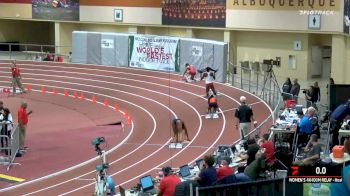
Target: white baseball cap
(242, 98)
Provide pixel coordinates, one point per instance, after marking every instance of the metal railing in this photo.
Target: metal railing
(31, 51)
(272, 187)
(11, 149)
(263, 86)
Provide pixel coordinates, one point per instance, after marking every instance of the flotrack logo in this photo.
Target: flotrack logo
(316, 12)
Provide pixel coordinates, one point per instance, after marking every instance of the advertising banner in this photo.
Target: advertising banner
(329, 5)
(107, 43)
(56, 10)
(154, 52)
(194, 13)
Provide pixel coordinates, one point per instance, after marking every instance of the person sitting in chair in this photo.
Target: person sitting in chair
(252, 171)
(253, 148)
(305, 125)
(313, 150)
(168, 183)
(207, 175)
(224, 169)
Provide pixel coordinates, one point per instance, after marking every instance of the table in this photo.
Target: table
(340, 160)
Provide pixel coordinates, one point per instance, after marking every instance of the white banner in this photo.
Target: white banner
(107, 43)
(154, 52)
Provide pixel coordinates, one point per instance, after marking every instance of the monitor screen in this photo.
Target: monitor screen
(146, 182)
(185, 171)
(198, 162)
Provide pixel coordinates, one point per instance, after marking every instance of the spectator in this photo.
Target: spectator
(252, 171)
(337, 117)
(311, 96)
(207, 175)
(38, 57)
(16, 78)
(22, 124)
(313, 149)
(316, 92)
(49, 57)
(295, 90)
(179, 129)
(305, 125)
(7, 126)
(287, 86)
(1, 107)
(268, 148)
(70, 57)
(168, 183)
(224, 169)
(253, 148)
(244, 114)
(209, 77)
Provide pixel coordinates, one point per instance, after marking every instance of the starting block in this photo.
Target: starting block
(175, 145)
(212, 116)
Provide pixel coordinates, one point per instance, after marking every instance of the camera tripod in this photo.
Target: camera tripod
(101, 176)
(270, 75)
(104, 184)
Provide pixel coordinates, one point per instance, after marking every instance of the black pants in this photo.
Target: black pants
(335, 126)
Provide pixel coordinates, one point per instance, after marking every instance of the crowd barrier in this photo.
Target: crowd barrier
(272, 187)
(30, 51)
(12, 149)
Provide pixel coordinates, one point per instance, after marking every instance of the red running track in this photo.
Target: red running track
(152, 99)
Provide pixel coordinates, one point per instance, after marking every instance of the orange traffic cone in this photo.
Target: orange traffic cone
(75, 94)
(54, 91)
(81, 96)
(28, 87)
(116, 108)
(93, 99)
(43, 90)
(65, 93)
(129, 120)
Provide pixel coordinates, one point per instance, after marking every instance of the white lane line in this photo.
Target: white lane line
(123, 92)
(86, 162)
(96, 158)
(169, 159)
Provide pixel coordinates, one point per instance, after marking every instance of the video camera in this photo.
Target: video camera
(96, 142)
(102, 167)
(305, 90)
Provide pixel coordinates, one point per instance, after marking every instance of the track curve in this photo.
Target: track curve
(163, 95)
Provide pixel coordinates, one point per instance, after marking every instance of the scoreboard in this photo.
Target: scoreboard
(315, 174)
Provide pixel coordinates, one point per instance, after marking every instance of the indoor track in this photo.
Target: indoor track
(151, 99)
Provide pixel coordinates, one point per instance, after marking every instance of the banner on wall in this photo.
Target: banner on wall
(56, 9)
(194, 13)
(330, 5)
(154, 52)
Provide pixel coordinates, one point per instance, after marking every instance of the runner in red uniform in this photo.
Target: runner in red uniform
(191, 72)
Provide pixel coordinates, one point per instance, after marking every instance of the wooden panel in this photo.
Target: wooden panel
(123, 3)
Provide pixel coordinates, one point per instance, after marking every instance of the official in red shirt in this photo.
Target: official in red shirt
(16, 78)
(22, 123)
(224, 169)
(268, 148)
(168, 183)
